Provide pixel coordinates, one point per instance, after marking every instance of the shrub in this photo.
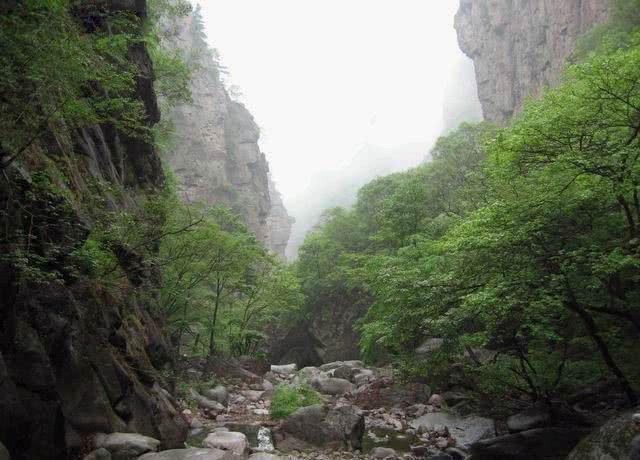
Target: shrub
(287, 399)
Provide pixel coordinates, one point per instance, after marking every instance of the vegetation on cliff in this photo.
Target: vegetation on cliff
(516, 246)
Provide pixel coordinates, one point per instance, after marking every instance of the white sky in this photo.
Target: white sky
(328, 80)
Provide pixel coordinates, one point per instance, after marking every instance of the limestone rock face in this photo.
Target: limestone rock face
(216, 156)
(520, 46)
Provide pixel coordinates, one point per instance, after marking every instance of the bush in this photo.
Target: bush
(287, 399)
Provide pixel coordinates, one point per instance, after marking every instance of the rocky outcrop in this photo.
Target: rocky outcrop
(216, 156)
(77, 356)
(520, 46)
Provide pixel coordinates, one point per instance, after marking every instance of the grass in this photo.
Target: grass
(287, 399)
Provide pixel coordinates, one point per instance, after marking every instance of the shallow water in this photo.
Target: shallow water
(382, 437)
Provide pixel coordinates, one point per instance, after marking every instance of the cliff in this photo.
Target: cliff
(520, 46)
(78, 355)
(216, 156)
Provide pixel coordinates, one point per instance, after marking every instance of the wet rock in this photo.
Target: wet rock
(466, 430)
(125, 446)
(191, 454)
(336, 428)
(219, 394)
(534, 417)
(546, 443)
(98, 454)
(382, 453)
(284, 369)
(232, 441)
(609, 442)
(332, 386)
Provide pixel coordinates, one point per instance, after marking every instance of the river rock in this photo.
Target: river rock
(232, 441)
(125, 446)
(206, 403)
(539, 443)
(335, 428)
(284, 369)
(191, 454)
(609, 442)
(534, 417)
(382, 453)
(219, 393)
(98, 454)
(466, 430)
(331, 385)
(252, 395)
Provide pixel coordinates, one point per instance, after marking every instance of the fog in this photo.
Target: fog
(343, 90)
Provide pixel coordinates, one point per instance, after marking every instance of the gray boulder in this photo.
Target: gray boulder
(609, 442)
(331, 385)
(382, 453)
(466, 430)
(206, 403)
(125, 446)
(284, 369)
(219, 394)
(534, 417)
(539, 443)
(191, 454)
(335, 428)
(232, 441)
(307, 374)
(98, 454)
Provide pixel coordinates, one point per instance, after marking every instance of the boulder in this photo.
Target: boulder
(252, 395)
(206, 403)
(345, 372)
(98, 454)
(382, 453)
(232, 441)
(533, 417)
(539, 443)
(219, 393)
(284, 369)
(336, 364)
(362, 376)
(307, 374)
(331, 385)
(609, 442)
(429, 346)
(466, 430)
(336, 428)
(125, 446)
(265, 456)
(191, 454)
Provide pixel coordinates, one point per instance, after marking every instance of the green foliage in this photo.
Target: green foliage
(288, 399)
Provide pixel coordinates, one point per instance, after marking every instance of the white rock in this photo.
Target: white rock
(227, 440)
(284, 369)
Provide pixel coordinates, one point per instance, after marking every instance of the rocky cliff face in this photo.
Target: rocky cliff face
(76, 356)
(216, 156)
(521, 46)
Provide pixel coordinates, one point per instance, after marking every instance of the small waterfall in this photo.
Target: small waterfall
(265, 444)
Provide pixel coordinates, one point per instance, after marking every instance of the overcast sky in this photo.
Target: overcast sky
(337, 84)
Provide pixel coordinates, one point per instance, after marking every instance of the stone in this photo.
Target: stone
(332, 386)
(206, 403)
(261, 412)
(284, 369)
(335, 428)
(232, 441)
(533, 417)
(608, 442)
(382, 453)
(265, 456)
(267, 386)
(429, 346)
(191, 454)
(125, 446)
(437, 400)
(98, 454)
(362, 376)
(252, 395)
(546, 443)
(455, 453)
(219, 393)
(466, 430)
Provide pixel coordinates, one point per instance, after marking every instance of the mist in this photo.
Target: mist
(343, 91)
